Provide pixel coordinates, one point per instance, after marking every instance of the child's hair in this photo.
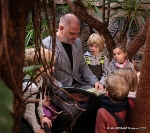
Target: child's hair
(120, 47)
(32, 56)
(98, 39)
(117, 87)
(130, 75)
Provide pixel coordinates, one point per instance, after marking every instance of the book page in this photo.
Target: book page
(96, 91)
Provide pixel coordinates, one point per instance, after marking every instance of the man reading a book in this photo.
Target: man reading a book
(70, 64)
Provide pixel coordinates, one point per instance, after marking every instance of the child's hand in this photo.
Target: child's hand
(45, 120)
(46, 101)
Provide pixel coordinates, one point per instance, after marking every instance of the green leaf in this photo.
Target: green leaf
(130, 23)
(137, 23)
(146, 10)
(29, 37)
(120, 3)
(141, 17)
(98, 12)
(114, 13)
(6, 108)
(29, 69)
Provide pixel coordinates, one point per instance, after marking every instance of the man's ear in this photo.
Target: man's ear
(61, 27)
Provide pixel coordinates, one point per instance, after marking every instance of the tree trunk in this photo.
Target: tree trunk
(12, 56)
(141, 117)
(138, 41)
(81, 12)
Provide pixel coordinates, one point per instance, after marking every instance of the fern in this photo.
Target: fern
(29, 69)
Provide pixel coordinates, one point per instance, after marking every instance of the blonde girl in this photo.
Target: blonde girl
(95, 58)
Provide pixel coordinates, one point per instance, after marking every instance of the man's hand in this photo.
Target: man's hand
(98, 86)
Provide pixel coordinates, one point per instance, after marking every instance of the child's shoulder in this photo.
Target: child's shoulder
(26, 81)
(112, 62)
(103, 112)
(87, 53)
(130, 64)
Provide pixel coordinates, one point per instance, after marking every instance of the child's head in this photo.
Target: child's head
(117, 87)
(32, 56)
(130, 75)
(119, 53)
(96, 43)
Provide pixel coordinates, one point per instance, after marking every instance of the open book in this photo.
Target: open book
(89, 92)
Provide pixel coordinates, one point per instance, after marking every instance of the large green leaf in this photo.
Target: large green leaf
(29, 69)
(29, 36)
(98, 12)
(6, 108)
(141, 17)
(114, 13)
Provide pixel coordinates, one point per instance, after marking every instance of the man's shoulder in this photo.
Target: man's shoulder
(46, 41)
(77, 44)
(78, 41)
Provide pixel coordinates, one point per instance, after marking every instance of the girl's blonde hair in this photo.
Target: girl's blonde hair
(117, 87)
(98, 39)
(130, 75)
(32, 57)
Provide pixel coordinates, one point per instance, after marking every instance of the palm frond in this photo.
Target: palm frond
(29, 69)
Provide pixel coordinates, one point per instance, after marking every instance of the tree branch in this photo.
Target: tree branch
(138, 41)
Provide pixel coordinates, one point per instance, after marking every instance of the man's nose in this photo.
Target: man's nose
(76, 35)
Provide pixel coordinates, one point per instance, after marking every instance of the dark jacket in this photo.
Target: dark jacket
(105, 122)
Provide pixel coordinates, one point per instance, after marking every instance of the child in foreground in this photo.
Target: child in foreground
(95, 58)
(132, 79)
(114, 111)
(33, 89)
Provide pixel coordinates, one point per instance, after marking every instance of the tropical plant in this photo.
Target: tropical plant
(30, 69)
(130, 11)
(6, 104)
(30, 33)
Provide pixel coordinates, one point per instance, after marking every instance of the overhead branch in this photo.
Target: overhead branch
(82, 5)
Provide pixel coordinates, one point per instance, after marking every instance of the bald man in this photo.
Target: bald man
(71, 68)
(70, 64)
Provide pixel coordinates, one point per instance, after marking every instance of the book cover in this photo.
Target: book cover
(89, 92)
